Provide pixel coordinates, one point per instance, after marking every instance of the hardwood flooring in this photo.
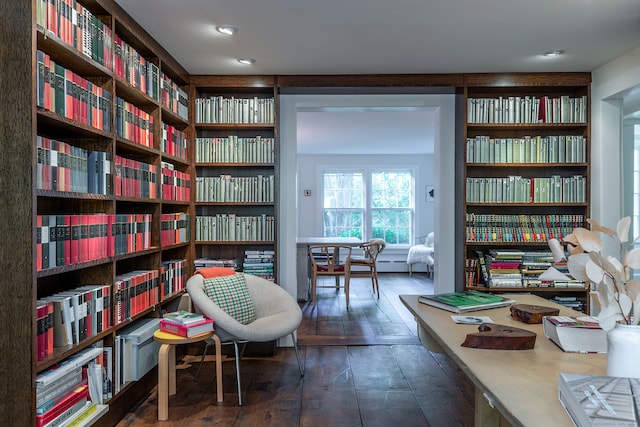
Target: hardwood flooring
(363, 367)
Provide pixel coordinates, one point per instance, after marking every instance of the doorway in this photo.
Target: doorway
(442, 106)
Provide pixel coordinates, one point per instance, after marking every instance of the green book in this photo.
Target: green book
(461, 302)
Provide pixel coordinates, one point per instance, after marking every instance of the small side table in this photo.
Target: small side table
(167, 366)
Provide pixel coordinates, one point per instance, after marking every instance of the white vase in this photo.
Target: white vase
(623, 351)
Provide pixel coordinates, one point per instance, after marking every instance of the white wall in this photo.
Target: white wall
(309, 175)
(610, 83)
(444, 175)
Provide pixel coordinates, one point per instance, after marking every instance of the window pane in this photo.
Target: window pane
(343, 190)
(343, 223)
(392, 225)
(343, 204)
(391, 189)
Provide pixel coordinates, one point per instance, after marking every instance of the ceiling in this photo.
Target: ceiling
(384, 37)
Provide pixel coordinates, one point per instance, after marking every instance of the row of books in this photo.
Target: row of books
(520, 228)
(231, 227)
(173, 275)
(221, 109)
(74, 25)
(259, 263)
(65, 93)
(527, 109)
(71, 239)
(527, 149)
(135, 69)
(176, 185)
(215, 262)
(69, 393)
(516, 269)
(135, 292)
(227, 188)
(133, 123)
(64, 167)
(174, 142)
(174, 228)
(235, 149)
(518, 189)
(72, 316)
(133, 178)
(173, 97)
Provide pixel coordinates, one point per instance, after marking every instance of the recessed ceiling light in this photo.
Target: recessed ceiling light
(247, 61)
(227, 29)
(552, 53)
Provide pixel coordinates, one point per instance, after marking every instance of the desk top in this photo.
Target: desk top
(521, 384)
(351, 241)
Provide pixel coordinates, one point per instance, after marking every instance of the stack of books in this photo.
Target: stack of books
(185, 323)
(259, 263)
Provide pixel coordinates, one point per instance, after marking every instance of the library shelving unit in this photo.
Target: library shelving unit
(526, 172)
(235, 191)
(111, 180)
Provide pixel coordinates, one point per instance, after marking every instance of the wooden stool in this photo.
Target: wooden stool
(167, 366)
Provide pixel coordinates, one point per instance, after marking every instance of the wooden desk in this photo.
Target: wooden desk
(167, 367)
(516, 386)
(302, 258)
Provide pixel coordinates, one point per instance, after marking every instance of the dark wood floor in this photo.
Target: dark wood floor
(363, 367)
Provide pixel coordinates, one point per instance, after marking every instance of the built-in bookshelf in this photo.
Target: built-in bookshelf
(112, 184)
(526, 177)
(236, 169)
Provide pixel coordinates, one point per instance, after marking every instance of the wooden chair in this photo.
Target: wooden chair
(367, 263)
(325, 261)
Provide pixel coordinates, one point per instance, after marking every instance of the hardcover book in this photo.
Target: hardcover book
(192, 330)
(461, 302)
(600, 400)
(575, 334)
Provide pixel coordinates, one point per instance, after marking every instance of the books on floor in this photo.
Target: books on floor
(575, 334)
(461, 302)
(600, 400)
(205, 325)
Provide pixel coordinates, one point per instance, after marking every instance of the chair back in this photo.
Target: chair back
(373, 248)
(325, 259)
(429, 241)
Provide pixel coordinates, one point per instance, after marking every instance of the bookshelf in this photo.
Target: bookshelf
(235, 191)
(526, 177)
(111, 181)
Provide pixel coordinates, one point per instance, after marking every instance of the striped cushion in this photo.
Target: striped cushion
(231, 294)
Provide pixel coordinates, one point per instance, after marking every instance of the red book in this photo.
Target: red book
(74, 396)
(187, 331)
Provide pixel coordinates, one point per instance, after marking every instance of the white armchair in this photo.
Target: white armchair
(277, 314)
(423, 253)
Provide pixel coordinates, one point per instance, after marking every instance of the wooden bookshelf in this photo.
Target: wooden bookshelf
(129, 125)
(236, 164)
(524, 167)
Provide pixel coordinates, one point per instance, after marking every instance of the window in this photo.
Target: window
(392, 206)
(343, 204)
(369, 204)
